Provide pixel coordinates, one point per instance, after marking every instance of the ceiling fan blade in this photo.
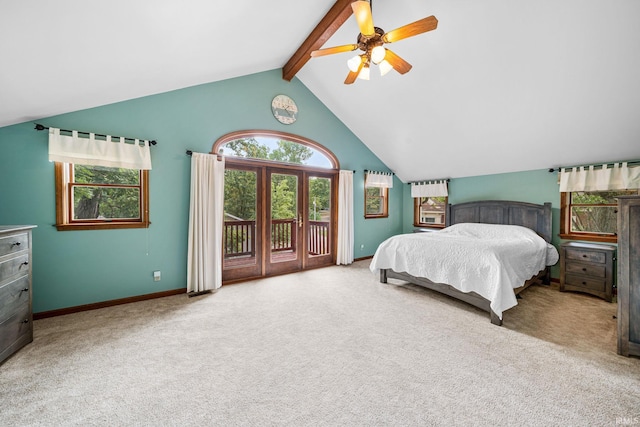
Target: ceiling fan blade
(353, 75)
(399, 64)
(421, 26)
(362, 12)
(335, 49)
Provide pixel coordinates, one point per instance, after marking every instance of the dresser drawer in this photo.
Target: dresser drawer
(12, 295)
(15, 243)
(596, 270)
(15, 327)
(12, 266)
(16, 320)
(588, 256)
(591, 283)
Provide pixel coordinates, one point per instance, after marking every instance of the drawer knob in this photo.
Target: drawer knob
(25, 290)
(25, 263)
(584, 283)
(25, 321)
(584, 255)
(16, 244)
(584, 269)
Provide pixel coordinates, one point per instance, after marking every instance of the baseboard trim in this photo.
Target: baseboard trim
(363, 258)
(111, 303)
(104, 304)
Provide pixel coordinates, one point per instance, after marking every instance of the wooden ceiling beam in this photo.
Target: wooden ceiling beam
(337, 15)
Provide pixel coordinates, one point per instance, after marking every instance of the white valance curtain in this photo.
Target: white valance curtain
(618, 176)
(206, 223)
(429, 189)
(91, 151)
(344, 253)
(378, 179)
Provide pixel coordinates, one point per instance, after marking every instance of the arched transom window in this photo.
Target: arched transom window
(276, 147)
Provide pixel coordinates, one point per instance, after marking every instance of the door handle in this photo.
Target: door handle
(300, 221)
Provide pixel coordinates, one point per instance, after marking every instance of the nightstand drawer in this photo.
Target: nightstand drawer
(591, 283)
(588, 256)
(586, 269)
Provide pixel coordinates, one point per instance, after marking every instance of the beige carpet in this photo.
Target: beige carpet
(329, 347)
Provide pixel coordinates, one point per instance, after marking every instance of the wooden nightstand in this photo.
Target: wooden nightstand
(588, 268)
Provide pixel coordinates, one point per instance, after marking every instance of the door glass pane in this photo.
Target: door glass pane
(319, 216)
(240, 189)
(284, 214)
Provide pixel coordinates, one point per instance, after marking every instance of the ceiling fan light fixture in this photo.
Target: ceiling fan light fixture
(377, 54)
(365, 73)
(385, 67)
(354, 63)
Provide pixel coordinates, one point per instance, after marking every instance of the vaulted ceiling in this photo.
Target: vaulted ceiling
(500, 86)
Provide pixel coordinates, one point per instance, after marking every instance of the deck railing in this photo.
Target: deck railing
(318, 238)
(283, 235)
(240, 237)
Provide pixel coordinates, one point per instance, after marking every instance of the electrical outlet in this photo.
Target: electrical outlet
(156, 276)
(362, 246)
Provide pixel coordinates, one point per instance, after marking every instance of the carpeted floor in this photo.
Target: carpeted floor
(328, 347)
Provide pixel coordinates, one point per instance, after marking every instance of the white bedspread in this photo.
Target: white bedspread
(490, 260)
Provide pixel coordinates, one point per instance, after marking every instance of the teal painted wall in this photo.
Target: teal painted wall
(72, 268)
(537, 186)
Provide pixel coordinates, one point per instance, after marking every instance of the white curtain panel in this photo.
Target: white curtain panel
(91, 151)
(429, 189)
(206, 220)
(619, 176)
(378, 179)
(344, 253)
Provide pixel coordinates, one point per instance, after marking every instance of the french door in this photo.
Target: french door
(277, 219)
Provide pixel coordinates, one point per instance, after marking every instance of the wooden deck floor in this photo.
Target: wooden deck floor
(243, 261)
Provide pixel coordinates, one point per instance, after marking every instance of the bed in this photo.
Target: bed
(489, 252)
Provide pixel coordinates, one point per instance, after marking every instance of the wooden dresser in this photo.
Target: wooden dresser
(629, 276)
(16, 320)
(588, 268)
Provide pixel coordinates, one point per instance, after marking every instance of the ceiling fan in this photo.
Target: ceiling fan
(371, 40)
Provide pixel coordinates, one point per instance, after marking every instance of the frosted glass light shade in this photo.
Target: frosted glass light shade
(385, 67)
(364, 73)
(377, 54)
(354, 63)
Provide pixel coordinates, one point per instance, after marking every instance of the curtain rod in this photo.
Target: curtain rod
(428, 180)
(218, 156)
(596, 166)
(389, 173)
(40, 127)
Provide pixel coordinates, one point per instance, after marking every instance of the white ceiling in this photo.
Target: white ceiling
(500, 86)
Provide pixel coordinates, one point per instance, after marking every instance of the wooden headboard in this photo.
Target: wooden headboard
(530, 215)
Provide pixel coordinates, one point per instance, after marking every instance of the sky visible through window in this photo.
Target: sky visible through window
(316, 159)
